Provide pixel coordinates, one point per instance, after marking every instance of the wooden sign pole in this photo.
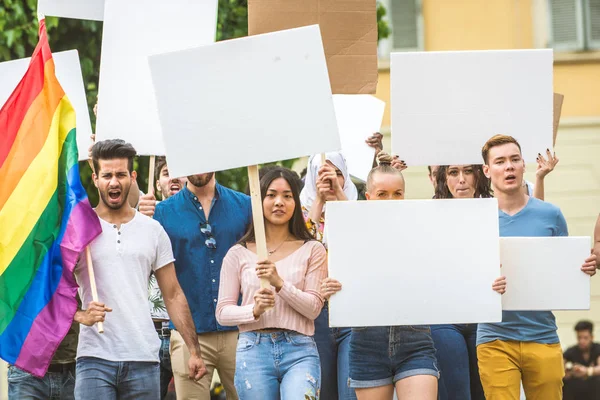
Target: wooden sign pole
(88, 255)
(558, 102)
(151, 175)
(258, 219)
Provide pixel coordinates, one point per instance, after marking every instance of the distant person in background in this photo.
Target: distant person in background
(582, 366)
(165, 187)
(433, 174)
(59, 381)
(325, 183)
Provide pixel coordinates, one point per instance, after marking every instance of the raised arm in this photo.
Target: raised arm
(544, 167)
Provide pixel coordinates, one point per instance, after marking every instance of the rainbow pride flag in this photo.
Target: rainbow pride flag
(46, 220)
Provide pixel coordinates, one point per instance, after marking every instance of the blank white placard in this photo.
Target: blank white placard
(446, 105)
(78, 9)
(413, 262)
(544, 273)
(134, 30)
(358, 117)
(68, 73)
(246, 101)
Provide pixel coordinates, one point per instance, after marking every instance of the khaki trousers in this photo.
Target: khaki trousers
(218, 352)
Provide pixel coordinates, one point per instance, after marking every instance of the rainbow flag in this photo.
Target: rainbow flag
(46, 220)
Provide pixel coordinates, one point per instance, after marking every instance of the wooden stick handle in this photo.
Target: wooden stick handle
(151, 175)
(258, 218)
(323, 159)
(88, 255)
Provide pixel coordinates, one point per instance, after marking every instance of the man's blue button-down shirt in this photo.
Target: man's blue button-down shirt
(198, 267)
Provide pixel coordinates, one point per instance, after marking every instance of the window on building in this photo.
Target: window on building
(575, 24)
(406, 24)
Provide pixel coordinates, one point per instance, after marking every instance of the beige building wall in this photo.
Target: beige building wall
(574, 186)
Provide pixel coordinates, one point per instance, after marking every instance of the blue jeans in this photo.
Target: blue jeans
(456, 352)
(383, 355)
(99, 379)
(278, 365)
(53, 386)
(334, 351)
(166, 372)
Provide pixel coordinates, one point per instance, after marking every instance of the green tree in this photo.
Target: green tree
(19, 36)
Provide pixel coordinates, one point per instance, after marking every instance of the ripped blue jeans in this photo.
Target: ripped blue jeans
(278, 365)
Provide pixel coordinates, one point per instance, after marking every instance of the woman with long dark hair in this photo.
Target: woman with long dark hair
(456, 344)
(276, 353)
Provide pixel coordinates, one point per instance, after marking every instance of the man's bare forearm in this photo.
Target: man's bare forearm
(179, 312)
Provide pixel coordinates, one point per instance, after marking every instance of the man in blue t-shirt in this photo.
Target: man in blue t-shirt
(525, 345)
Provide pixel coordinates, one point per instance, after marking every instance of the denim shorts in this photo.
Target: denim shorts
(383, 355)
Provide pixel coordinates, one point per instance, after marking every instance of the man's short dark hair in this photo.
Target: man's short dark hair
(161, 161)
(111, 149)
(585, 326)
(429, 168)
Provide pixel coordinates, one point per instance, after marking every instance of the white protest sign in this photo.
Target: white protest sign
(68, 72)
(134, 30)
(246, 101)
(544, 273)
(358, 117)
(413, 262)
(78, 9)
(446, 105)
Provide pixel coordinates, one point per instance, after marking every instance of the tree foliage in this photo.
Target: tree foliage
(19, 36)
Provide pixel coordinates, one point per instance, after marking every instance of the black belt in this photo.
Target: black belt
(62, 368)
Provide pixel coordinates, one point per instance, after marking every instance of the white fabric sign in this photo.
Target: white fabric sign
(358, 117)
(68, 73)
(246, 101)
(413, 262)
(134, 30)
(446, 105)
(544, 273)
(78, 9)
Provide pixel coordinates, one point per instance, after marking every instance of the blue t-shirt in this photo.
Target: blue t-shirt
(537, 219)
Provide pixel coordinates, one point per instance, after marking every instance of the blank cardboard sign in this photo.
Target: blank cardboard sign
(246, 101)
(358, 117)
(134, 30)
(414, 262)
(68, 72)
(78, 9)
(544, 273)
(349, 30)
(446, 105)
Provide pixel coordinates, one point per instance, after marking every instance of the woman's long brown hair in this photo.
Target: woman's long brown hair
(296, 225)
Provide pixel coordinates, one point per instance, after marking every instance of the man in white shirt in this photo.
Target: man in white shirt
(122, 363)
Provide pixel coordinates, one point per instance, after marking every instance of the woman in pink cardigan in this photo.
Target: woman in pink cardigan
(276, 354)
